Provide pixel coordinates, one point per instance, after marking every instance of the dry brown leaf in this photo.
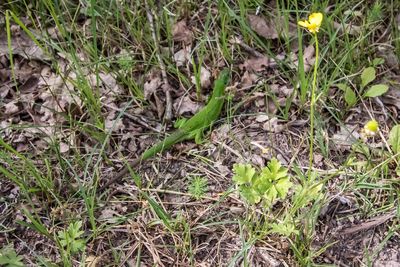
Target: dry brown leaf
(257, 64)
(271, 28)
(185, 104)
(262, 118)
(205, 76)
(346, 136)
(273, 126)
(181, 32)
(11, 108)
(21, 45)
(308, 58)
(115, 125)
(182, 56)
(64, 148)
(151, 86)
(262, 27)
(248, 79)
(347, 28)
(92, 261)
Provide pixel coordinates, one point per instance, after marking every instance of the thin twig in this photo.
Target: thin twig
(136, 119)
(166, 86)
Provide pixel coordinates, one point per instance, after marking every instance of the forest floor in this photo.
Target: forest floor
(87, 86)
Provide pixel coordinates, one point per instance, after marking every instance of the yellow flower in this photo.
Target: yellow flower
(370, 129)
(313, 23)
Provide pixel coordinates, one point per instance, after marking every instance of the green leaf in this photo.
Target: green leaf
(198, 187)
(273, 181)
(367, 76)
(9, 258)
(243, 173)
(378, 61)
(394, 138)
(376, 90)
(349, 96)
(342, 86)
(249, 194)
(70, 238)
(285, 229)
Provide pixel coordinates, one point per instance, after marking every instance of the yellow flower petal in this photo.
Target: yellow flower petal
(316, 19)
(303, 23)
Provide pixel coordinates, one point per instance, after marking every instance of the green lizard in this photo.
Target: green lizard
(190, 129)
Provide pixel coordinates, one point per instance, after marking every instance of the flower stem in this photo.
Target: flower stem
(312, 105)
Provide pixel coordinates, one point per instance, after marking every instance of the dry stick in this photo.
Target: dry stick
(166, 85)
(136, 119)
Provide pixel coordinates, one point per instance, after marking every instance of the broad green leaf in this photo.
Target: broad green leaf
(378, 61)
(376, 90)
(342, 86)
(271, 194)
(367, 76)
(243, 173)
(394, 138)
(249, 194)
(349, 95)
(283, 186)
(274, 171)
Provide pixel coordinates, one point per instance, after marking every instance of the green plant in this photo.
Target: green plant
(70, 238)
(269, 185)
(9, 258)
(367, 76)
(198, 187)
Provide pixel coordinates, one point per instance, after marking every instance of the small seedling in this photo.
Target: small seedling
(269, 185)
(70, 238)
(198, 187)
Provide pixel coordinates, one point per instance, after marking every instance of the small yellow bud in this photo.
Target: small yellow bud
(372, 126)
(370, 129)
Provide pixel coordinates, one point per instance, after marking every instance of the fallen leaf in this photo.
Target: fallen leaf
(92, 261)
(22, 45)
(271, 28)
(64, 147)
(272, 126)
(181, 32)
(248, 79)
(262, 27)
(346, 136)
(223, 169)
(115, 125)
(347, 28)
(257, 64)
(11, 108)
(308, 57)
(262, 118)
(151, 86)
(182, 56)
(185, 104)
(205, 76)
